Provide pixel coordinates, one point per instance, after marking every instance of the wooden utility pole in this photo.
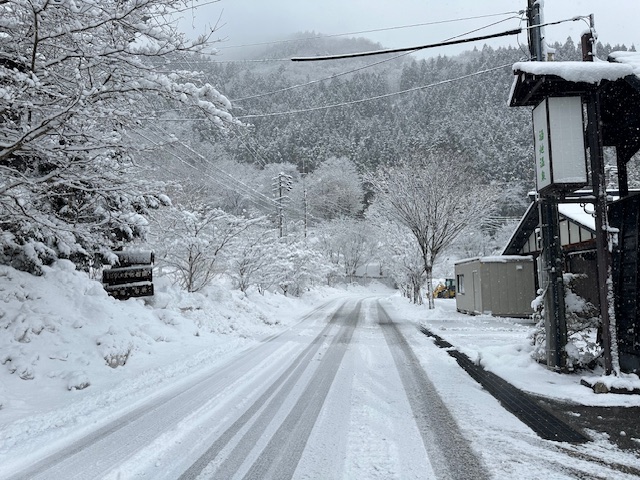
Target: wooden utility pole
(552, 281)
(598, 185)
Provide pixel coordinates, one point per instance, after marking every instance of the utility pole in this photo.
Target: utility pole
(598, 185)
(281, 184)
(534, 17)
(304, 195)
(552, 281)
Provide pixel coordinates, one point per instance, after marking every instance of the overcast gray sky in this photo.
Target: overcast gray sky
(250, 21)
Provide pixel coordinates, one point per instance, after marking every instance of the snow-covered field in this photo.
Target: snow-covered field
(72, 358)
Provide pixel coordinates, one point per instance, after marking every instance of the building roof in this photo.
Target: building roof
(574, 212)
(582, 214)
(627, 58)
(617, 80)
(497, 259)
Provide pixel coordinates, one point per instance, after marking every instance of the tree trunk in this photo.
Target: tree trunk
(417, 299)
(429, 272)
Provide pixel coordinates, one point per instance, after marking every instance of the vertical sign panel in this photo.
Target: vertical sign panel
(567, 140)
(560, 152)
(541, 146)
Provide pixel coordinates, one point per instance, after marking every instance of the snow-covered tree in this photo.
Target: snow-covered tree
(193, 241)
(399, 255)
(76, 77)
(335, 190)
(345, 242)
(435, 197)
(253, 260)
(299, 266)
(479, 240)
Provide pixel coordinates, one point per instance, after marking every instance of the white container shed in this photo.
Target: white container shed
(503, 286)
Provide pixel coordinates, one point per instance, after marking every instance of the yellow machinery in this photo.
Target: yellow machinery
(446, 289)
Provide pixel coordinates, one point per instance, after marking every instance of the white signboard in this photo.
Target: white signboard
(559, 144)
(541, 146)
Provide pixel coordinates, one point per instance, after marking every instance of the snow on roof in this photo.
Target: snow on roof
(578, 214)
(627, 58)
(587, 72)
(497, 259)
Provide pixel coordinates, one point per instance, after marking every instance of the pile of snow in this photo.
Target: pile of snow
(62, 335)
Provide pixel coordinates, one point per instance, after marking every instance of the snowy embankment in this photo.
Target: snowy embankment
(71, 356)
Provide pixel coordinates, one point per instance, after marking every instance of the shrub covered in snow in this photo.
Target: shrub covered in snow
(70, 184)
(582, 349)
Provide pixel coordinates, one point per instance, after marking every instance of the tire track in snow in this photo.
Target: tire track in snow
(281, 456)
(449, 452)
(267, 405)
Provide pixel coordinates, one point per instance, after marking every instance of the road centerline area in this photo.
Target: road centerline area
(277, 392)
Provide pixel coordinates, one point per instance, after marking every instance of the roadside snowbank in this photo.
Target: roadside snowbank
(63, 339)
(502, 346)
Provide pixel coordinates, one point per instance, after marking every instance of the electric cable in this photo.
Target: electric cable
(438, 22)
(254, 195)
(359, 68)
(406, 49)
(332, 77)
(432, 45)
(365, 66)
(245, 189)
(378, 97)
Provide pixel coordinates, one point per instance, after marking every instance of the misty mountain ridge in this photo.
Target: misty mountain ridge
(306, 112)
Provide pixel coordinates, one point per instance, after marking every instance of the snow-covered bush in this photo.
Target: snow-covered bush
(299, 266)
(582, 319)
(346, 243)
(254, 260)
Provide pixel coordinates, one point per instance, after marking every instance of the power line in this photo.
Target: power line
(557, 22)
(438, 22)
(481, 28)
(433, 45)
(253, 195)
(368, 99)
(321, 79)
(359, 68)
(407, 49)
(263, 162)
(250, 149)
(353, 102)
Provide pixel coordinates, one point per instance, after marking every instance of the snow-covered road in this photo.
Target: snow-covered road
(339, 395)
(351, 391)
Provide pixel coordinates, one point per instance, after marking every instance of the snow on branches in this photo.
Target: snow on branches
(77, 79)
(435, 196)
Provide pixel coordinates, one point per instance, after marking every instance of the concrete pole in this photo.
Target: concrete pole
(553, 263)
